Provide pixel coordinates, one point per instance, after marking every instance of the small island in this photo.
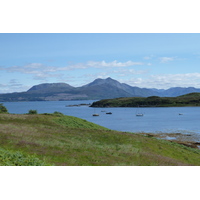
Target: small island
(191, 99)
(78, 105)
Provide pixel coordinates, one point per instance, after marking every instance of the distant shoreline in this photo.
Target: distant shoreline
(188, 100)
(78, 105)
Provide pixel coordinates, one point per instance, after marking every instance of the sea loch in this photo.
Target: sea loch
(154, 120)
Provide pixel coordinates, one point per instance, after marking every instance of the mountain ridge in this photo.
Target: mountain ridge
(47, 85)
(97, 89)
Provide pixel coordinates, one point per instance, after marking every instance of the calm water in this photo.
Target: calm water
(123, 119)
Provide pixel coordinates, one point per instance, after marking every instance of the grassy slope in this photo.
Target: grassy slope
(62, 140)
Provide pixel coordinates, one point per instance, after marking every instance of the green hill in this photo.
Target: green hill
(191, 95)
(192, 99)
(56, 139)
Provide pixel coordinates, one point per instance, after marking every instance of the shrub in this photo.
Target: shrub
(58, 113)
(3, 109)
(16, 158)
(32, 112)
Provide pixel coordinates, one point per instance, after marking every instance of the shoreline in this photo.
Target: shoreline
(189, 140)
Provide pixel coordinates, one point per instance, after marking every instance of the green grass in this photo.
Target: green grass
(74, 122)
(56, 139)
(16, 158)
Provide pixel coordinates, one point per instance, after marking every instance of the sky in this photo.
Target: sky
(146, 60)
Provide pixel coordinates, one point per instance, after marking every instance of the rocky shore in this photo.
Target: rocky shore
(190, 140)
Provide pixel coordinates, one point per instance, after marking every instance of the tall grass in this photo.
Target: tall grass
(65, 140)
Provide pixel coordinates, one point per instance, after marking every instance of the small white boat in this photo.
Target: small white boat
(138, 114)
(95, 114)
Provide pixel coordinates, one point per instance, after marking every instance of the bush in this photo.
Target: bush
(3, 109)
(16, 158)
(58, 113)
(32, 112)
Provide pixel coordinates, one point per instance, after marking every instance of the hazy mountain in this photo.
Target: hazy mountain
(104, 86)
(177, 91)
(108, 81)
(49, 87)
(98, 89)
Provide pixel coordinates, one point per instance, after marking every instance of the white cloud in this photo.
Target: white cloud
(167, 81)
(13, 86)
(166, 59)
(148, 57)
(38, 70)
(41, 72)
(100, 64)
(114, 69)
(112, 64)
(126, 72)
(38, 67)
(32, 68)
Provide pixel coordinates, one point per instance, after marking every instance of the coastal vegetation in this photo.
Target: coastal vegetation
(3, 109)
(57, 139)
(32, 112)
(191, 99)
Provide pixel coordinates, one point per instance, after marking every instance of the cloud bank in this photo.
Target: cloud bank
(83, 73)
(41, 71)
(167, 81)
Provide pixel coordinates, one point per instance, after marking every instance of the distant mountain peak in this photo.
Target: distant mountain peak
(97, 81)
(100, 81)
(110, 79)
(50, 86)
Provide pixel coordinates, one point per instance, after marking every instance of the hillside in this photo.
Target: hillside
(56, 139)
(192, 99)
(98, 89)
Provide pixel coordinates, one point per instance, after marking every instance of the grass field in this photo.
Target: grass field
(56, 139)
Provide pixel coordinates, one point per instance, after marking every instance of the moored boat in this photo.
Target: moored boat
(139, 114)
(95, 115)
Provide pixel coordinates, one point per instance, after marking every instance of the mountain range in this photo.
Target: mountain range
(98, 89)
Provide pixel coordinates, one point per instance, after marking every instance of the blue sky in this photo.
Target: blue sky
(150, 60)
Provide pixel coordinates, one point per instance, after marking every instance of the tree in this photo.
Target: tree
(3, 109)
(32, 112)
